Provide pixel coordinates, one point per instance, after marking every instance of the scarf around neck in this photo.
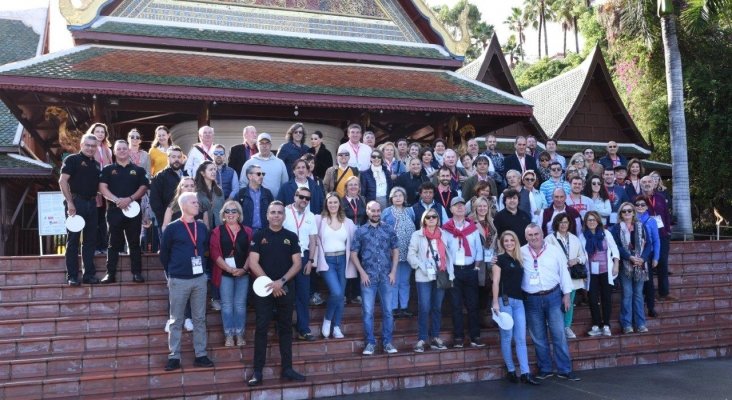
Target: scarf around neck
(461, 234)
(441, 252)
(594, 241)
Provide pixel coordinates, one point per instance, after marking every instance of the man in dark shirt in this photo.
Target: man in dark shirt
(445, 190)
(511, 218)
(79, 183)
(275, 252)
(165, 183)
(520, 161)
(121, 184)
(412, 180)
(182, 248)
(240, 153)
(254, 199)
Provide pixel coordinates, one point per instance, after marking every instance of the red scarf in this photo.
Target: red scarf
(437, 236)
(461, 234)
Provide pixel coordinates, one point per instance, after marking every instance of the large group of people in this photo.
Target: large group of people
(520, 234)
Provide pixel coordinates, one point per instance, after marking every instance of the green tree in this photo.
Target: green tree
(529, 75)
(567, 13)
(512, 48)
(480, 32)
(518, 22)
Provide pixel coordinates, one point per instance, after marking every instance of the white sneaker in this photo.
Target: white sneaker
(337, 332)
(167, 326)
(606, 331)
(595, 331)
(188, 324)
(569, 333)
(389, 348)
(325, 330)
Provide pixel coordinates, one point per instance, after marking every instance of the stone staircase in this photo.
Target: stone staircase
(108, 341)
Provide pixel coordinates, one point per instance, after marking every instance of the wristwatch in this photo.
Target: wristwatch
(283, 280)
(311, 260)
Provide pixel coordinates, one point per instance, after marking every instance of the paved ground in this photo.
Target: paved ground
(699, 379)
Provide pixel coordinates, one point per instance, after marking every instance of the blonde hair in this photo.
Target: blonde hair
(236, 205)
(516, 253)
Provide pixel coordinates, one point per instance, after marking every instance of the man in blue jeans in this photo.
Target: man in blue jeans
(373, 242)
(300, 221)
(547, 286)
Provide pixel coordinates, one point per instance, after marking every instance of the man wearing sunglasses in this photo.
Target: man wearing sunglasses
(300, 221)
(254, 199)
(612, 159)
(226, 177)
(555, 181)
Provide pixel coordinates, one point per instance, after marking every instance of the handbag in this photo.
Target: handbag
(443, 278)
(577, 271)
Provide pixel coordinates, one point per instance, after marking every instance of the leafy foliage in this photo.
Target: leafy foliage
(480, 32)
(530, 75)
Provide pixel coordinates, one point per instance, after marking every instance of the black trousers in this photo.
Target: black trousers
(600, 299)
(264, 308)
(649, 289)
(121, 227)
(87, 209)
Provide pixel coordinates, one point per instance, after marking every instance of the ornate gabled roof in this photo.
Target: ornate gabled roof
(558, 99)
(19, 43)
(148, 33)
(155, 73)
(491, 69)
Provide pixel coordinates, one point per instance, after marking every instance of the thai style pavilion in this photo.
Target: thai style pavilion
(387, 64)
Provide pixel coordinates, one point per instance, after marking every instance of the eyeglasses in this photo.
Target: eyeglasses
(612, 147)
(134, 138)
(556, 169)
(258, 173)
(219, 152)
(596, 183)
(641, 205)
(529, 179)
(301, 197)
(577, 161)
(375, 156)
(430, 216)
(231, 211)
(627, 211)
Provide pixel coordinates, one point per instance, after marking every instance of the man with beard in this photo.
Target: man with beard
(377, 249)
(226, 177)
(616, 194)
(496, 159)
(445, 192)
(165, 182)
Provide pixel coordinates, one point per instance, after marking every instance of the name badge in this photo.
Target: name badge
(230, 261)
(488, 255)
(594, 267)
(659, 221)
(613, 218)
(534, 279)
(197, 264)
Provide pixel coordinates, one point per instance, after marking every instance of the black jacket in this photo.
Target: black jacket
(512, 162)
(411, 184)
(368, 183)
(323, 161)
(162, 191)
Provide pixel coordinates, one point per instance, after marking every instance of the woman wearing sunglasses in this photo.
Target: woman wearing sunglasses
(229, 251)
(537, 201)
(428, 255)
(649, 222)
(597, 192)
(376, 181)
(636, 250)
(138, 156)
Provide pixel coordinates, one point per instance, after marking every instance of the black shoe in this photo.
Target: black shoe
(544, 375)
(291, 375)
(307, 337)
(255, 380)
(407, 314)
(527, 378)
(511, 376)
(173, 364)
(396, 313)
(569, 376)
(92, 280)
(203, 362)
(73, 282)
(108, 279)
(138, 278)
(652, 313)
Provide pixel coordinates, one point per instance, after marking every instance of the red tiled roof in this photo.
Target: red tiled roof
(165, 74)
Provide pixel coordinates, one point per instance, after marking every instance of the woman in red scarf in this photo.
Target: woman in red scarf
(428, 254)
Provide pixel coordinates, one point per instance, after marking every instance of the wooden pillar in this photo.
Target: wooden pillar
(97, 110)
(204, 114)
(439, 130)
(4, 225)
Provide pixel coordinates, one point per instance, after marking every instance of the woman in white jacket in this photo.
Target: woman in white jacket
(563, 238)
(428, 254)
(602, 265)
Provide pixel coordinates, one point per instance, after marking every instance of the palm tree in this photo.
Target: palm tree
(512, 49)
(532, 11)
(518, 22)
(564, 13)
